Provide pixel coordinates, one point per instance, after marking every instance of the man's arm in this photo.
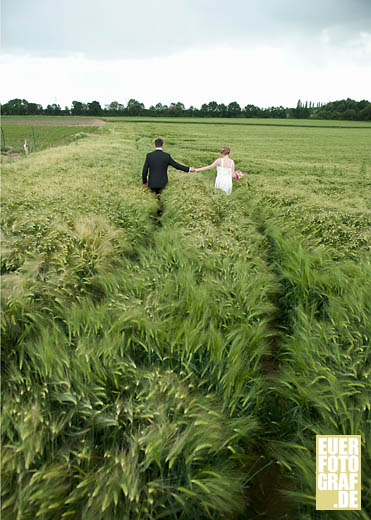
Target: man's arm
(179, 166)
(145, 171)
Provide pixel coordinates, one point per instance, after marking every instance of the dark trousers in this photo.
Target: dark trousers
(158, 191)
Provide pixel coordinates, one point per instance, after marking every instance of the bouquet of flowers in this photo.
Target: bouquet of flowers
(238, 174)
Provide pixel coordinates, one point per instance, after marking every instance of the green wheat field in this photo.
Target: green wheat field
(175, 359)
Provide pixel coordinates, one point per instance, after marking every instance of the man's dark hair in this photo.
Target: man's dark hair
(159, 143)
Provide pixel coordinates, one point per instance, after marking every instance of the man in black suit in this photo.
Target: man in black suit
(157, 163)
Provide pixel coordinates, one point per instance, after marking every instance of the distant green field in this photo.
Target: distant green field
(243, 121)
(175, 357)
(42, 132)
(316, 177)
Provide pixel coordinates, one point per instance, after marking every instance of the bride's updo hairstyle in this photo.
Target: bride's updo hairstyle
(225, 151)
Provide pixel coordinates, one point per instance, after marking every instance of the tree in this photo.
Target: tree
(234, 109)
(365, 113)
(15, 107)
(191, 112)
(53, 110)
(158, 108)
(135, 108)
(78, 108)
(347, 109)
(176, 109)
(223, 110)
(94, 109)
(349, 114)
(165, 110)
(301, 111)
(114, 106)
(204, 110)
(278, 112)
(35, 109)
(213, 109)
(252, 111)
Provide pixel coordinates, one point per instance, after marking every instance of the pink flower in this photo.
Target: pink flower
(238, 174)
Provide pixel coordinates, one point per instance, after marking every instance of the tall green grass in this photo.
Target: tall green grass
(128, 356)
(324, 380)
(136, 350)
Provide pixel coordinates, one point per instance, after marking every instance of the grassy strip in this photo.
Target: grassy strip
(41, 137)
(304, 123)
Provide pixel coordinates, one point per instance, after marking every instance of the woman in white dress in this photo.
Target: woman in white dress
(224, 170)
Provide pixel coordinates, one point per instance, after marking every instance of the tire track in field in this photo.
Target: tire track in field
(271, 365)
(265, 492)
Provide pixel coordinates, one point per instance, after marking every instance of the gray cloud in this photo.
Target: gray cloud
(114, 29)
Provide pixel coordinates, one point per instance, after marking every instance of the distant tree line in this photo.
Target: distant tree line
(345, 109)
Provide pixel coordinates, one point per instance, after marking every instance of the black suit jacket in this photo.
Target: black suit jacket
(157, 163)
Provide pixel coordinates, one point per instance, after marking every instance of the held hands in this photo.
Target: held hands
(192, 169)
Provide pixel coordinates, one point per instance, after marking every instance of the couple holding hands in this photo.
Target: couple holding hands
(158, 161)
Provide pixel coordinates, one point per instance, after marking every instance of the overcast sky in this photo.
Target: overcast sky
(263, 52)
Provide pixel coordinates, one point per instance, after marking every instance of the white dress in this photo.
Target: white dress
(223, 179)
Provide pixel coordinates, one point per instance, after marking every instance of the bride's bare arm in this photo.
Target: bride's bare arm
(210, 167)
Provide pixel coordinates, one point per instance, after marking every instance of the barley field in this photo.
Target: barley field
(175, 357)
